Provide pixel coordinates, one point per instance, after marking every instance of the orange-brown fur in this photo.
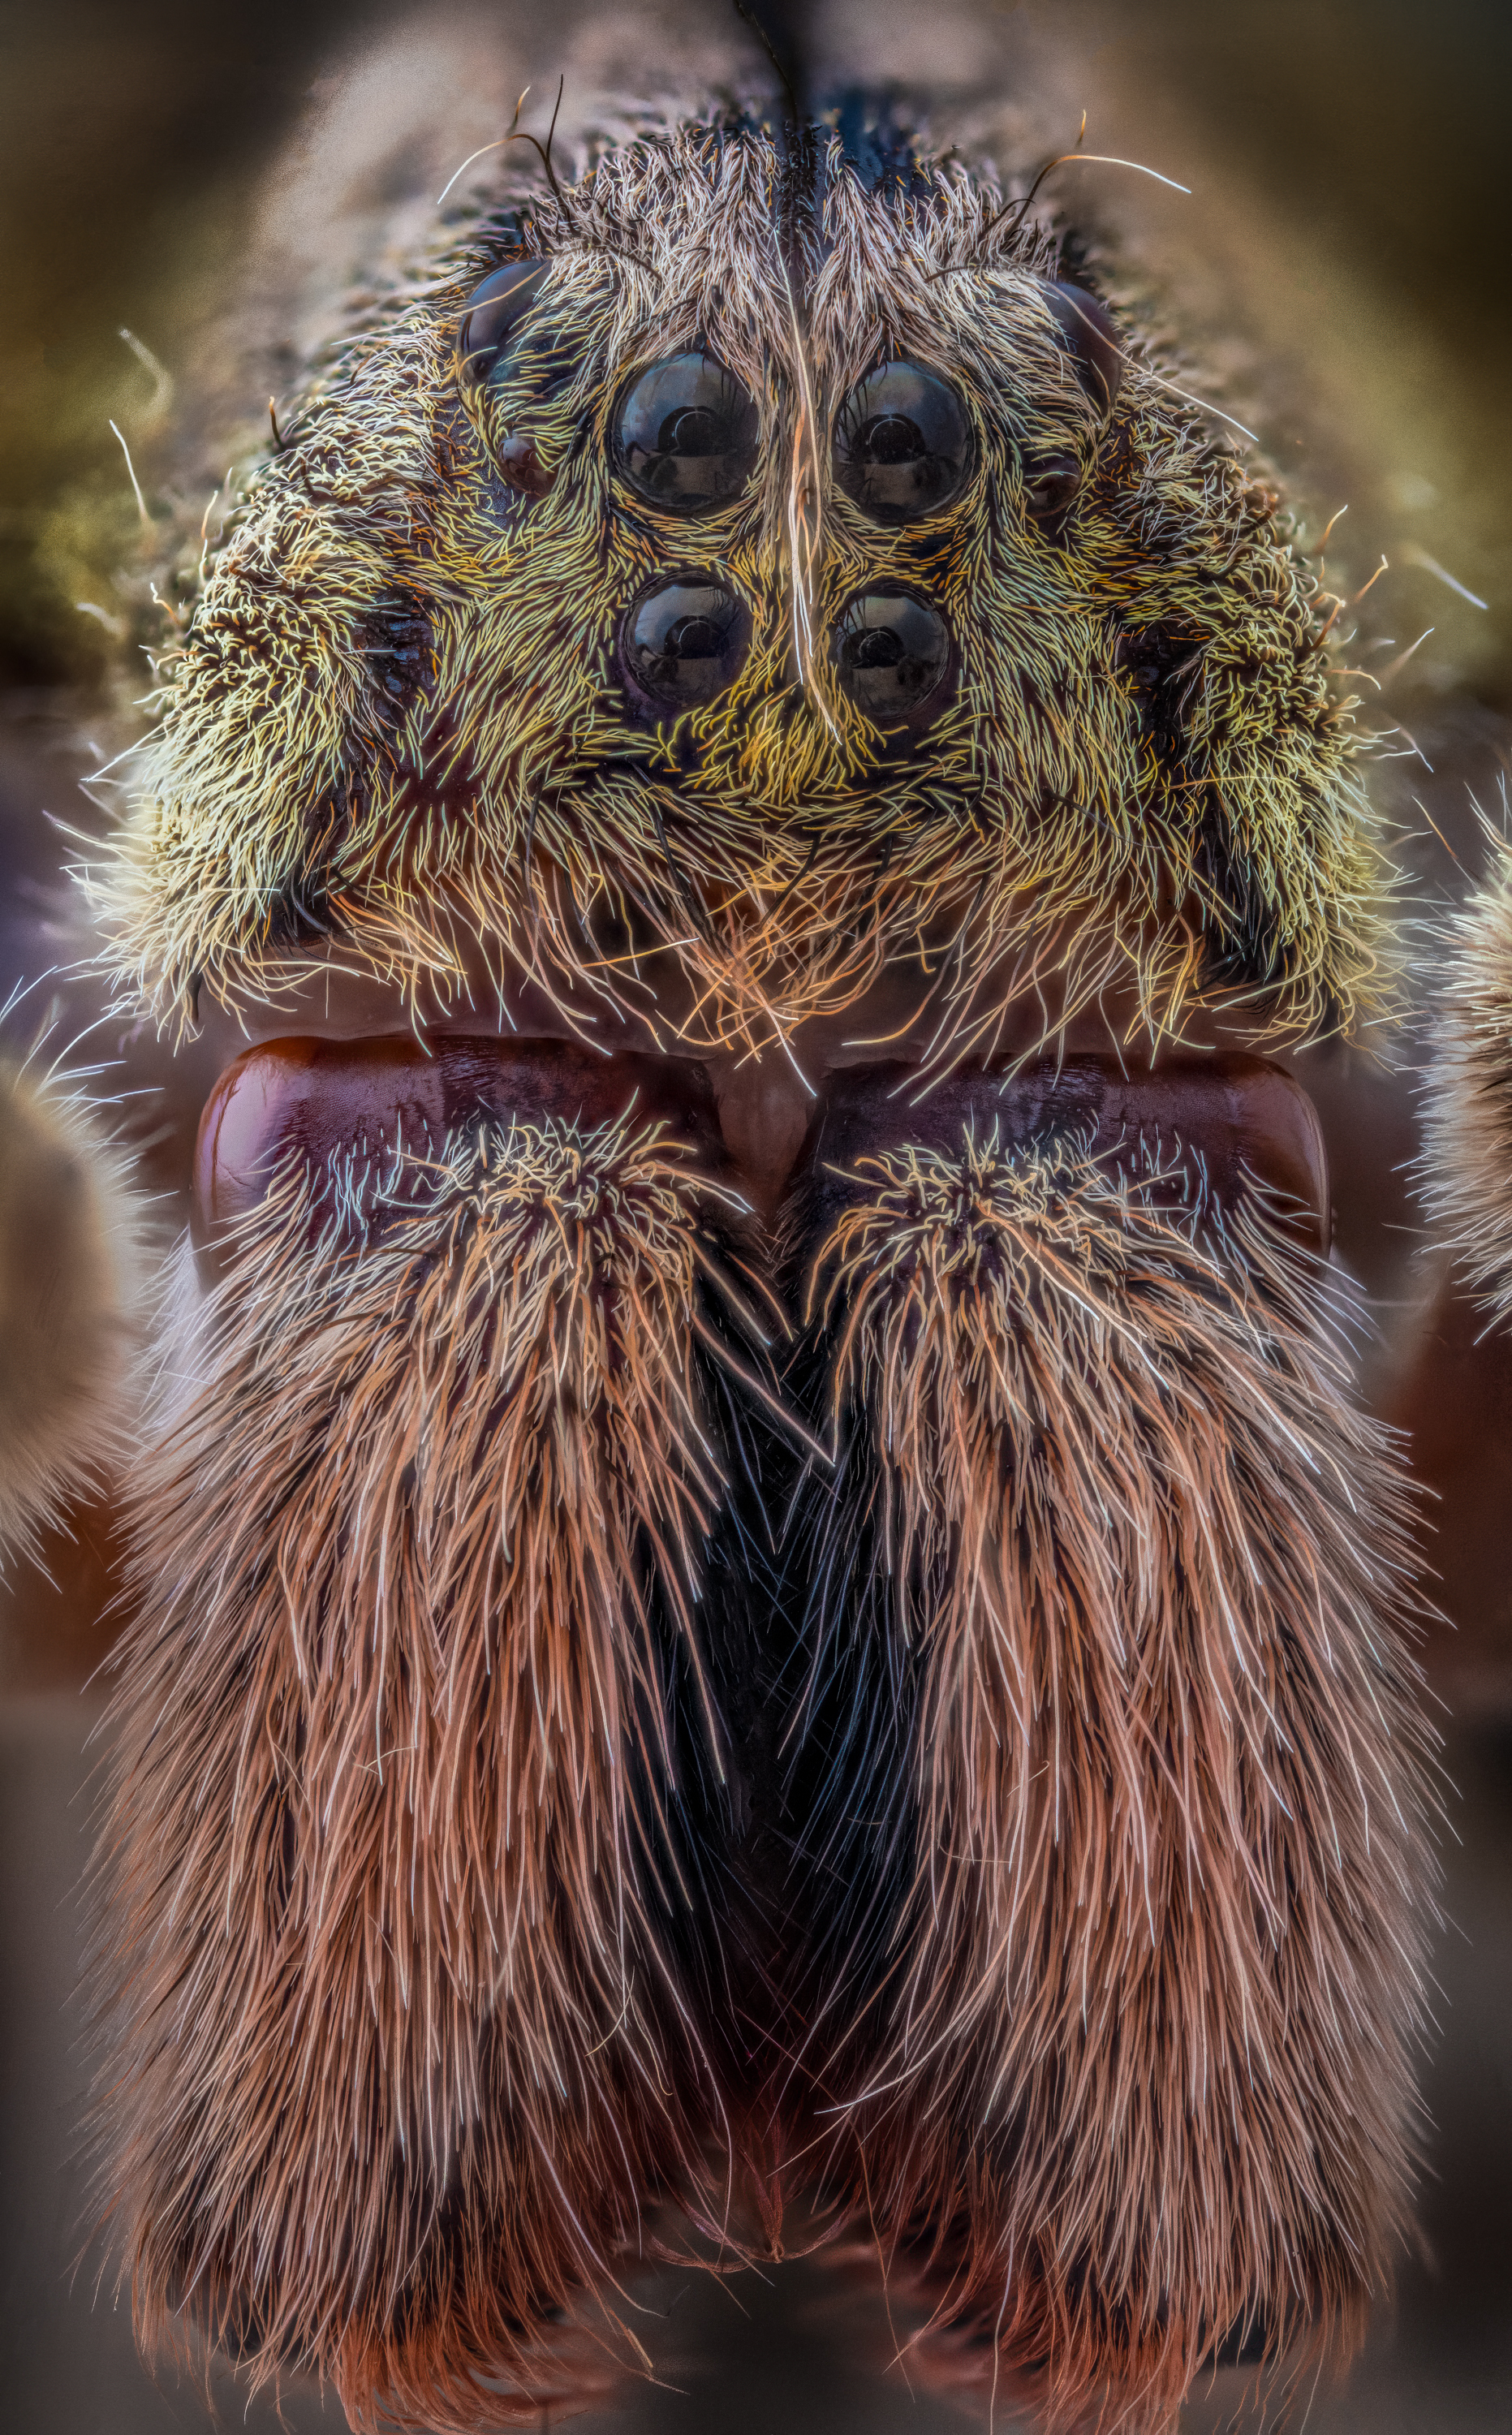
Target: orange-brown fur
(1134, 2070)
(400, 2063)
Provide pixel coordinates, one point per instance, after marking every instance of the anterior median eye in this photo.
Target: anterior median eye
(892, 656)
(686, 435)
(902, 444)
(683, 641)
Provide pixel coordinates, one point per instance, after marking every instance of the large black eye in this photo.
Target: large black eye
(1091, 339)
(902, 444)
(892, 655)
(682, 641)
(686, 435)
(491, 317)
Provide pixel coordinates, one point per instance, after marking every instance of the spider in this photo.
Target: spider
(757, 1584)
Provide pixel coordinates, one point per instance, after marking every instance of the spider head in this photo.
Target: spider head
(740, 584)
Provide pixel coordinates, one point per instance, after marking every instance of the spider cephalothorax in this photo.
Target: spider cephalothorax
(741, 557)
(797, 1609)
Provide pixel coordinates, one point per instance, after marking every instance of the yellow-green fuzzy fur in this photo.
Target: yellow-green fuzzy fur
(507, 808)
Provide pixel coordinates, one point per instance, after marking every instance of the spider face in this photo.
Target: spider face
(757, 1550)
(736, 588)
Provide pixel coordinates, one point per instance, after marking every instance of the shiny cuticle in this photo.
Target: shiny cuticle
(492, 316)
(1090, 339)
(1217, 1131)
(377, 1114)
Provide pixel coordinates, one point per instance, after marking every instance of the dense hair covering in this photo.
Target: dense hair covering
(1127, 2048)
(392, 731)
(407, 1551)
(904, 1712)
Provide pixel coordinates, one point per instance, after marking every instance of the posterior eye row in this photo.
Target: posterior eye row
(686, 434)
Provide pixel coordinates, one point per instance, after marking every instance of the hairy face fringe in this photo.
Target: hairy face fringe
(393, 737)
(1133, 1946)
(394, 2059)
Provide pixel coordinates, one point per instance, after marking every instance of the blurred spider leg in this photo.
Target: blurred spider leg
(74, 1264)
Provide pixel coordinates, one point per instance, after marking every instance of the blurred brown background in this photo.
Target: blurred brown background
(204, 179)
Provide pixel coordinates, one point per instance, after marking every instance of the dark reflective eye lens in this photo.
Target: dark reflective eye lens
(491, 317)
(1051, 480)
(520, 463)
(682, 642)
(686, 435)
(1091, 339)
(892, 656)
(902, 444)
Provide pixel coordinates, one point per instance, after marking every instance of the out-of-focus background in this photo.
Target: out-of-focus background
(208, 181)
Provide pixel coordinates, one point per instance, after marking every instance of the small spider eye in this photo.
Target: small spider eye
(1051, 480)
(902, 444)
(1091, 340)
(686, 435)
(892, 657)
(682, 641)
(491, 317)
